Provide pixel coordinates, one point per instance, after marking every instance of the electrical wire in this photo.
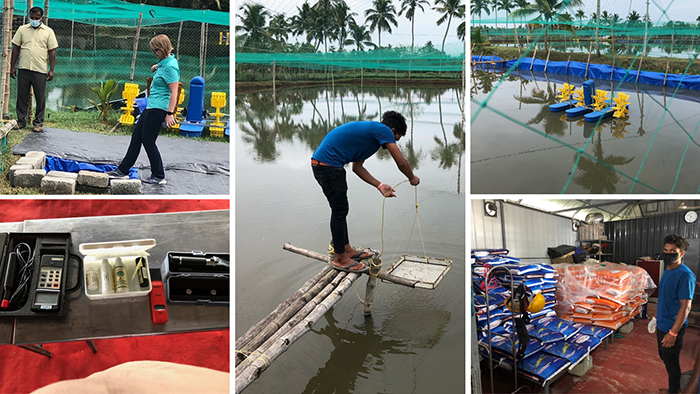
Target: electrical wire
(25, 256)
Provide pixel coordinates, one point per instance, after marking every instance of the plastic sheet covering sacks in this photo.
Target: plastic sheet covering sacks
(601, 294)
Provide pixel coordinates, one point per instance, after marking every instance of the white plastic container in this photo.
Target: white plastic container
(128, 252)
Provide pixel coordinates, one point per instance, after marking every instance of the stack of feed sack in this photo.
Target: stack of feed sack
(601, 294)
(538, 278)
(496, 321)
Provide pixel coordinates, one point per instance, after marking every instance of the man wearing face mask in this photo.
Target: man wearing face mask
(676, 291)
(33, 46)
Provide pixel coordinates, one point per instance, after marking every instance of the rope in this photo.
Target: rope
(372, 261)
(261, 356)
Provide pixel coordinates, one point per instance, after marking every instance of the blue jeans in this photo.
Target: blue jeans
(335, 188)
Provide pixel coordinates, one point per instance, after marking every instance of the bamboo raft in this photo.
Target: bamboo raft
(274, 334)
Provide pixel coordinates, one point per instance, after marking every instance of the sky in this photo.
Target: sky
(426, 23)
(675, 10)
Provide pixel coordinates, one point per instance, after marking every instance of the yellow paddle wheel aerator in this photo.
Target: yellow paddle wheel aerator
(599, 99)
(565, 92)
(579, 97)
(621, 104)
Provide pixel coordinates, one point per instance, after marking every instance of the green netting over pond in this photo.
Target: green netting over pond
(120, 13)
(402, 59)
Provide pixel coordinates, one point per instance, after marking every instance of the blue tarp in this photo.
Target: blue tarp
(65, 165)
(603, 71)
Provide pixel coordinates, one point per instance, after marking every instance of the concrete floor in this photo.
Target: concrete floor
(630, 365)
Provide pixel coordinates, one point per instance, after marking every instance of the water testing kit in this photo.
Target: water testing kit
(196, 277)
(35, 272)
(116, 269)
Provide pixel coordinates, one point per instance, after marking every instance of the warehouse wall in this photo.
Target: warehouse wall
(528, 232)
(645, 237)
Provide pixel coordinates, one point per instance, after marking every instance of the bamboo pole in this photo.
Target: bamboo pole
(46, 12)
(263, 347)
(517, 42)
(8, 9)
(546, 63)
(179, 35)
(253, 331)
(201, 50)
(136, 48)
(533, 58)
(666, 75)
(274, 94)
(375, 268)
(72, 27)
(566, 70)
(589, 60)
(284, 315)
(317, 256)
(639, 70)
(280, 346)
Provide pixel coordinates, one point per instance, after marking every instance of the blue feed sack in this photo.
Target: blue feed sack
(65, 165)
(539, 368)
(503, 346)
(570, 351)
(588, 341)
(599, 332)
(559, 325)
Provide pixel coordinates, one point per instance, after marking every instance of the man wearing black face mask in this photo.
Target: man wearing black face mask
(675, 295)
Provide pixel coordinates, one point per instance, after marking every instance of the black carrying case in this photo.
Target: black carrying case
(42, 244)
(196, 283)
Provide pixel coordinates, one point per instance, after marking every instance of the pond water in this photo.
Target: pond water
(414, 340)
(519, 146)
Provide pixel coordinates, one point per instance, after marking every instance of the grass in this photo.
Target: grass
(84, 121)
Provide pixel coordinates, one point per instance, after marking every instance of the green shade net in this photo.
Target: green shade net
(96, 43)
(678, 41)
(401, 59)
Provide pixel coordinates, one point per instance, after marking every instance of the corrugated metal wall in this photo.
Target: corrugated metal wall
(645, 237)
(528, 233)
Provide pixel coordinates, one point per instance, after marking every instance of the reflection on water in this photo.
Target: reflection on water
(520, 146)
(307, 115)
(622, 47)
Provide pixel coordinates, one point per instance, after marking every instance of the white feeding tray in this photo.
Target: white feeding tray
(428, 271)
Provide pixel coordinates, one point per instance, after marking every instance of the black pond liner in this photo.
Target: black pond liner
(191, 167)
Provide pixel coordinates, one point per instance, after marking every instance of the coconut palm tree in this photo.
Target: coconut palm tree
(449, 9)
(381, 17)
(580, 14)
(479, 6)
(507, 6)
(302, 22)
(360, 37)
(279, 30)
(633, 18)
(461, 30)
(409, 6)
(548, 11)
(343, 19)
(253, 20)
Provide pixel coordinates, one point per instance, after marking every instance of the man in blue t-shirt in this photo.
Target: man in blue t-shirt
(354, 143)
(676, 291)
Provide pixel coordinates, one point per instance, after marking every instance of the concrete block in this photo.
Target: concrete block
(91, 189)
(57, 185)
(125, 186)
(11, 172)
(94, 179)
(28, 178)
(627, 327)
(36, 162)
(583, 366)
(37, 154)
(62, 174)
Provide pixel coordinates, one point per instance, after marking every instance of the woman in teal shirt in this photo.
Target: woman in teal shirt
(162, 104)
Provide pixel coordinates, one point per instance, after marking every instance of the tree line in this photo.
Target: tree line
(331, 25)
